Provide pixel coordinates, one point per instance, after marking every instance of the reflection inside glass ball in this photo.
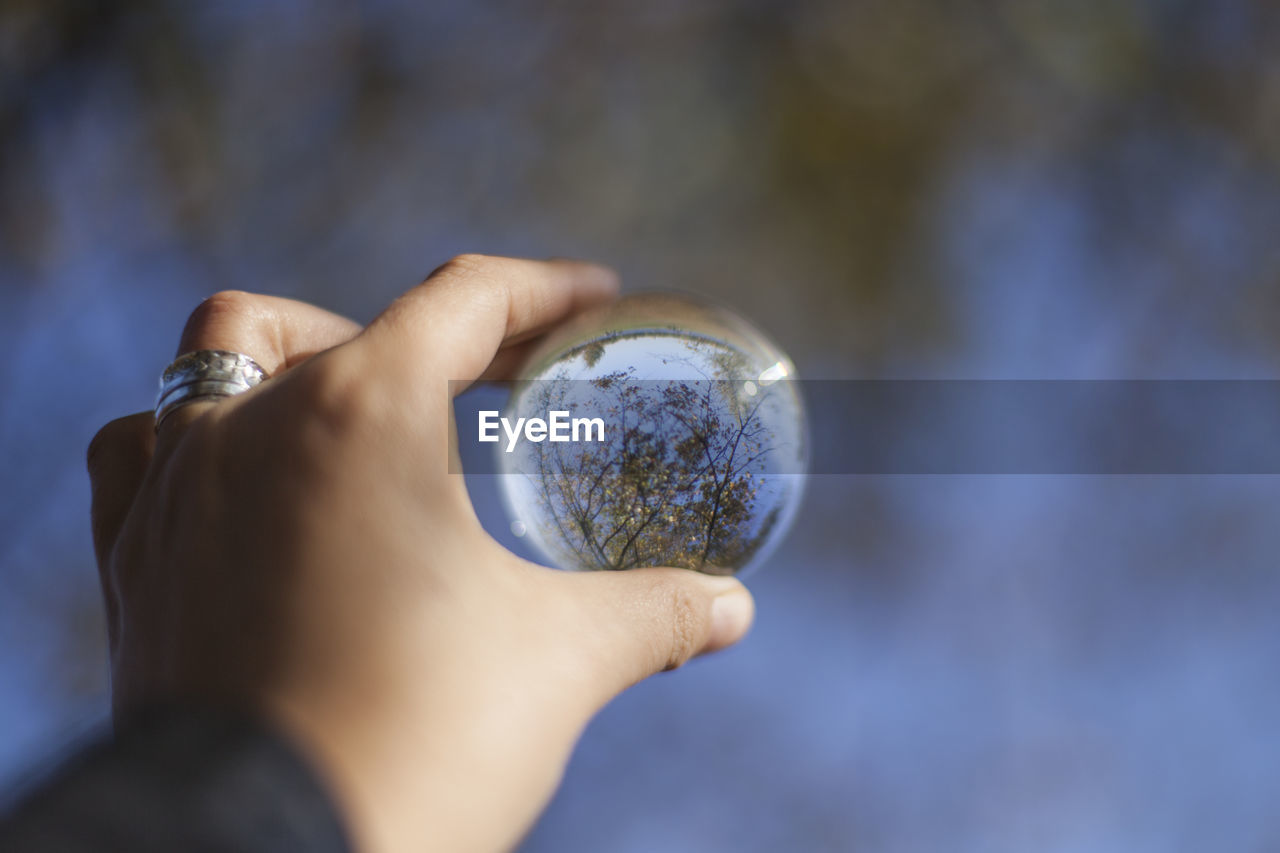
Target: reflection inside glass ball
(676, 438)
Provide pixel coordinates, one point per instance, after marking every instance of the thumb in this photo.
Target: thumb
(643, 621)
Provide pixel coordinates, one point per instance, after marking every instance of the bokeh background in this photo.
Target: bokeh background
(892, 188)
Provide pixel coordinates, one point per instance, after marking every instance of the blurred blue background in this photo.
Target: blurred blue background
(891, 189)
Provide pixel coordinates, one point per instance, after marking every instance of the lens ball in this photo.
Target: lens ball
(657, 431)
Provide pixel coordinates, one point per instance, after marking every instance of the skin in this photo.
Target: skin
(301, 551)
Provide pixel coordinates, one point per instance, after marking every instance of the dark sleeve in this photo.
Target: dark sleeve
(179, 780)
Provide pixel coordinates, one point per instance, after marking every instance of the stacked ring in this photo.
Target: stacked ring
(204, 375)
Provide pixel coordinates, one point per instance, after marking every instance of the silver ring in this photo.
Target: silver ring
(203, 375)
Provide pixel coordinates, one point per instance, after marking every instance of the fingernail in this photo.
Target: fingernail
(731, 614)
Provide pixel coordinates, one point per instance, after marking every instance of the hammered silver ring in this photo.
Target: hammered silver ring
(205, 375)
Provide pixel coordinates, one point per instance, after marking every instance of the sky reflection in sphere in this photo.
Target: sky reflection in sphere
(703, 458)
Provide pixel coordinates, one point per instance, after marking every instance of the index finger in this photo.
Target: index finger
(467, 310)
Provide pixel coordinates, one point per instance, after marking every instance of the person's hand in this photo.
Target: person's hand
(302, 551)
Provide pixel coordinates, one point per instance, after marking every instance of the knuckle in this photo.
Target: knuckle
(473, 284)
(110, 435)
(687, 620)
(481, 279)
(227, 309)
(465, 266)
(97, 445)
(231, 302)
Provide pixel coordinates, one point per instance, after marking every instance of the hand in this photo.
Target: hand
(302, 551)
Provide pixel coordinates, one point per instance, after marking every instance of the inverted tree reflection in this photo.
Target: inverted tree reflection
(682, 475)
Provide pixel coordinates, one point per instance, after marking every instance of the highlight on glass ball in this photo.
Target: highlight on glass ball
(658, 431)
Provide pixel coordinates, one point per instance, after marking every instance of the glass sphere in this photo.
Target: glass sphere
(682, 440)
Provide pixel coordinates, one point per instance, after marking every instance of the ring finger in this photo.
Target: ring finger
(276, 333)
